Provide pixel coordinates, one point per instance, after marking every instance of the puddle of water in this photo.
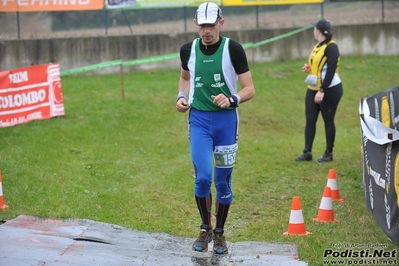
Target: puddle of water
(28, 240)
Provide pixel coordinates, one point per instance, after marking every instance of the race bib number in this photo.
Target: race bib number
(225, 156)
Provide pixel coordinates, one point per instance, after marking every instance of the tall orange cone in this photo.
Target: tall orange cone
(333, 184)
(296, 225)
(2, 205)
(326, 212)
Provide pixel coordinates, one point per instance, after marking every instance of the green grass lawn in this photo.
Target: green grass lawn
(127, 162)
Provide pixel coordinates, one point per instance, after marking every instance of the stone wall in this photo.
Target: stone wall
(353, 40)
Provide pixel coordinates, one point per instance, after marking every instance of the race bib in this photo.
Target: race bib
(225, 156)
(311, 80)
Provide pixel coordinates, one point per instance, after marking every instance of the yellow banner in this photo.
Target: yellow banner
(267, 2)
(49, 5)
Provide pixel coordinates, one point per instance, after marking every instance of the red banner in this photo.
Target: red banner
(30, 93)
(49, 5)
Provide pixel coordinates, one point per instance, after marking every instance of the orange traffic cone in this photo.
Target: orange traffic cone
(333, 184)
(296, 225)
(326, 212)
(2, 205)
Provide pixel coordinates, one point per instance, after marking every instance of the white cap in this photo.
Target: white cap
(208, 13)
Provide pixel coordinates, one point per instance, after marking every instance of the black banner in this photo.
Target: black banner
(379, 116)
(384, 106)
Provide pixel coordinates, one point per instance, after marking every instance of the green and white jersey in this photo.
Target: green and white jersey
(210, 75)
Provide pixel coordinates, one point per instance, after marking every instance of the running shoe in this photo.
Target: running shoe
(306, 156)
(326, 157)
(205, 236)
(219, 242)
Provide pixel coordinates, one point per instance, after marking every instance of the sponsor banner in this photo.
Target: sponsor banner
(384, 106)
(268, 2)
(30, 93)
(73, 5)
(49, 5)
(380, 154)
(132, 4)
(144, 4)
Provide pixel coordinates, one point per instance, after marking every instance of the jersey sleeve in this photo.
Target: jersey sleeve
(185, 54)
(238, 57)
(332, 54)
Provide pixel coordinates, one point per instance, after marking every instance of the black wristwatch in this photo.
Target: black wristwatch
(233, 100)
(321, 90)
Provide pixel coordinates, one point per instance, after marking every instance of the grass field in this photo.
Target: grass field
(127, 162)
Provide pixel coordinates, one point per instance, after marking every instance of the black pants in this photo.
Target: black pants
(328, 108)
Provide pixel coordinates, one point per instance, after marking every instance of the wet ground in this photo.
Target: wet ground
(28, 240)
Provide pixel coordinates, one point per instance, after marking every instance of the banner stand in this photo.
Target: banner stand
(379, 120)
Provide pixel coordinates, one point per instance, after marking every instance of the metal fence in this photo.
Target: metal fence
(111, 22)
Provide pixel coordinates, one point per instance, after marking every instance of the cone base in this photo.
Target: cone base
(296, 229)
(4, 207)
(291, 234)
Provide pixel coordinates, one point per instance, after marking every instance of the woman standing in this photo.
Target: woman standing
(324, 90)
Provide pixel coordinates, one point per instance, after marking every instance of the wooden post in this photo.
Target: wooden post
(122, 81)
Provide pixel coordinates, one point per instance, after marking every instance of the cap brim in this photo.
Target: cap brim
(202, 22)
(313, 23)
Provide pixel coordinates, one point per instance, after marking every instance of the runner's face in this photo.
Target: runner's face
(210, 33)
